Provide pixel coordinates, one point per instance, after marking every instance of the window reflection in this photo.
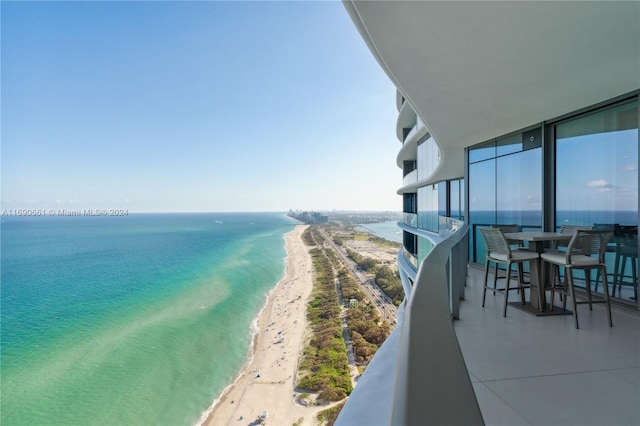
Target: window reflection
(597, 184)
(519, 189)
(506, 188)
(456, 200)
(428, 208)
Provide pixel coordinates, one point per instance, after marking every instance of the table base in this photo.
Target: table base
(533, 310)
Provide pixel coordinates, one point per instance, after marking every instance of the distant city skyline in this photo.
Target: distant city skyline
(193, 107)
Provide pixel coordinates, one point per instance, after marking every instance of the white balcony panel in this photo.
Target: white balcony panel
(406, 120)
(409, 150)
(377, 385)
(411, 177)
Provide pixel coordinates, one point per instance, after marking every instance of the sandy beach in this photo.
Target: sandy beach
(267, 383)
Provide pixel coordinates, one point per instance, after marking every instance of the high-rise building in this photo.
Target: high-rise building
(519, 113)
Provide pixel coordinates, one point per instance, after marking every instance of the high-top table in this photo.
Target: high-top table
(536, 242)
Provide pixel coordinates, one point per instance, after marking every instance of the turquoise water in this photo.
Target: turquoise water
(130, 320)
(388, 230)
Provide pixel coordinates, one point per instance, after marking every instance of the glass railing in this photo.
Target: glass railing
(410, 219)
(426, 324)
(447, 226)
(411, 258)
(407, 371)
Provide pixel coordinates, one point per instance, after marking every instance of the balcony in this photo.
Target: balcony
(410, 258)
(410, 219)
(485, 368)
(406, 120)
(562, 376)
(410, 178)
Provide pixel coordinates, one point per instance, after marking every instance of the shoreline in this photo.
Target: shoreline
(266, 381)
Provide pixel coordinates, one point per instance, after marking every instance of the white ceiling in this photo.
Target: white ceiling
(476, 70)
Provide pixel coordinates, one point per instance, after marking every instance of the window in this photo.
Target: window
(408, 167)
(505, 183)
(597, 183)
(597, 168)
(456, 199)
(428, 208)
(410, 242)
(410, 202)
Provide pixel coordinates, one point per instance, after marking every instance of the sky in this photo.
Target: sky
(193, 107)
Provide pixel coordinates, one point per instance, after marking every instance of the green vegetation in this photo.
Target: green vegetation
(308, 237)
(364, 262)
(324, 366)
(349, 287)
(387, 280)
(324, 360)
(330, 415)
(368, 331)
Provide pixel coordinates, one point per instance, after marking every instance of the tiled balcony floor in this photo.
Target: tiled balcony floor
(529, 370)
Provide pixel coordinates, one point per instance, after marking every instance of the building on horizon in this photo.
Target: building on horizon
(508, 113)
(308, 217)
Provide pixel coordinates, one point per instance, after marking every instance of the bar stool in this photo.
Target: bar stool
(586, 252)
(561, 246)
(626, 251)
(506, 229)
(499, 251)
(612, 247)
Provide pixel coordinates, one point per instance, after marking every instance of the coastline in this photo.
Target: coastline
(267, 379)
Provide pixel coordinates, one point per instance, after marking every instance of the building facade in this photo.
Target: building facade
(508, 113)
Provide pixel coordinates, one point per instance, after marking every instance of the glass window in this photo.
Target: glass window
(509, 145)
(482, 192)
(462, 199)
(597, 185)
(410, 242)
(507, 188)
(519, 142)
(454, 199)
(482, 201)
(519, 189)
(597, 168)
(482, 152)
(428, 208)
(409, 202)
(442, 198)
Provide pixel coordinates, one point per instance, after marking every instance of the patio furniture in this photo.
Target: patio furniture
(519, 245)
(626, 238)
(611, 247)
(537, 241)
(585, 252)
(561, 245)
(499, 252)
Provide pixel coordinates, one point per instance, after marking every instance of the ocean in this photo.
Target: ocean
(134, 320)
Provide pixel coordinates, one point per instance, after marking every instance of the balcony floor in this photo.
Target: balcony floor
(529, 370)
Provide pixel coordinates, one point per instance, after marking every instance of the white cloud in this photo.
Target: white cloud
(629, 168)
(597, 183)
(601, 185)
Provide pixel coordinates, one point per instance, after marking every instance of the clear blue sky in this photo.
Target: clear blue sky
(193, 106)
